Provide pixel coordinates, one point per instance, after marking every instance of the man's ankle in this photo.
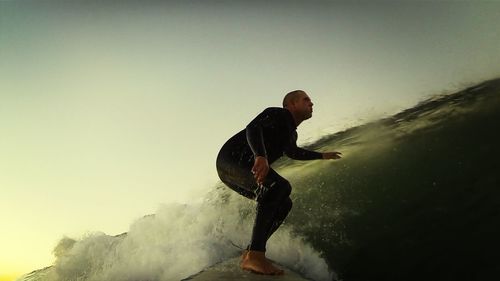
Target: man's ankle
(256, 254)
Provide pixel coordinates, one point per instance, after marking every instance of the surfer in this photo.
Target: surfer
(243, 165)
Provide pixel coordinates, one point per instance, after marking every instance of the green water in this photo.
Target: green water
(416, 196)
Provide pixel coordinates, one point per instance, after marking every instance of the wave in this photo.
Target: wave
(415, 197)
(176, 242)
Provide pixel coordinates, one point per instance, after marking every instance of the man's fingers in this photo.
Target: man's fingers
(259, 179)
(333, 155)
(259, 172)
(260, 176)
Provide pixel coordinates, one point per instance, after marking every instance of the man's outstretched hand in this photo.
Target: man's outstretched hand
(332, 155)
(260, 169)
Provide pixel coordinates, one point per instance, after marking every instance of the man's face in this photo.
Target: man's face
(304, 106)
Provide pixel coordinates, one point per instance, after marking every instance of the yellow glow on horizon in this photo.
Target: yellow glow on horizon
(10, 271)
(10, 276)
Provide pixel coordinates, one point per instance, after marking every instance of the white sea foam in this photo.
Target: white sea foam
(179, 241)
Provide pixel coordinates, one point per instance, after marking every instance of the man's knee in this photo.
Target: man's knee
(285, 188)
(276, 192)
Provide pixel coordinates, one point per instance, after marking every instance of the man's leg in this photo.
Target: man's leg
(238, 178)
(241, 180)
(281, 214)
(273, 205)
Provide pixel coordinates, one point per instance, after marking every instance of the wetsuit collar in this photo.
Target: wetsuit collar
(291, 119)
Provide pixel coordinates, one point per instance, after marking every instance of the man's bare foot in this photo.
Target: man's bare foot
(256, 261)
(244, 255)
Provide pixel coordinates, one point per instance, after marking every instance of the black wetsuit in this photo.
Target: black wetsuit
(271, 134)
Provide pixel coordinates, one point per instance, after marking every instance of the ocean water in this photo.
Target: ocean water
(416, 197)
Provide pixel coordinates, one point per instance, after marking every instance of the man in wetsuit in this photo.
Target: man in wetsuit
(243, 165)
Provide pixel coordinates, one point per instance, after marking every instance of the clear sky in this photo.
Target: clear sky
(108, 110)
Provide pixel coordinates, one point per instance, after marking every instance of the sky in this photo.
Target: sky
(109, 110)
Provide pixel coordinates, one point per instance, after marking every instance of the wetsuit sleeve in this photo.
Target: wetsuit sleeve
(298, 153)
(254, 131)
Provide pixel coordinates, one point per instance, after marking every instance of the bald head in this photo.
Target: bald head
(292, 97)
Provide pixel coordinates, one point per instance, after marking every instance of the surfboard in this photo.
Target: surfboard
(229, 270)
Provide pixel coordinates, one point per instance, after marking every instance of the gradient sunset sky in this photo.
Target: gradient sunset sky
(110, 108)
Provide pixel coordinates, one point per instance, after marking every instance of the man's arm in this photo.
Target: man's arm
(254, 132)
(303, 154)
(298, 153)
(255, 139)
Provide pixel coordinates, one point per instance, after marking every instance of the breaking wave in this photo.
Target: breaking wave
(414, 198)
